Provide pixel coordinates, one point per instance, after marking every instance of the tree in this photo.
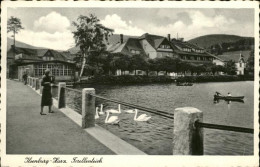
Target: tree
(120, 61)
(250, 63)
(90, 36)
(138, 62)
(230, 68)
(153, 65)
(14, 25)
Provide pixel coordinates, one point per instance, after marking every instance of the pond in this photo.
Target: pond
(155, 136)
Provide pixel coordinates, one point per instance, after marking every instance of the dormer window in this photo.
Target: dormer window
(165, 46)
(135, 51)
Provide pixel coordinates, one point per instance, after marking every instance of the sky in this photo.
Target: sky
(52, 28)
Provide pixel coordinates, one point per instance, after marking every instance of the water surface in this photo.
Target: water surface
(155, 136)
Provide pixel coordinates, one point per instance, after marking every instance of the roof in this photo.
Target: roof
(235, 55)
(37, 54)
(193, 46)
(30, 57)
(41, 52)
(50, 61)
(180, 44)
(126, 47)
(153, 40)
(26, 51)
(68, 55)
(57, 55)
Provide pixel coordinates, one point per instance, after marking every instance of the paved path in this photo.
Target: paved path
(30, 133)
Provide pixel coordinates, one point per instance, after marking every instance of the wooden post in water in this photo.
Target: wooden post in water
(187, 140)
(61, 95)
(88, 108)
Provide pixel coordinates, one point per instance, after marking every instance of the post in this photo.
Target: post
(33, 83)
(88, 108)
(40, 85)
(61, 95)
(187, 140)
(36, 84)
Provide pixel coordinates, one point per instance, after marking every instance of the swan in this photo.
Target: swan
(112, 120)
(142, 117)
(130, 111)
(96, 116)
(115, 111)
(101, 110)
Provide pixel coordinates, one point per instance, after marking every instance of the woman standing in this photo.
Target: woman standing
(46, 92)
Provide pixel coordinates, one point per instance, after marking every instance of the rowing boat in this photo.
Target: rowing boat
(184, 84)
(229, 97)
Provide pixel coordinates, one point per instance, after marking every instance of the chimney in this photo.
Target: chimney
(169, 37)
(121, 38)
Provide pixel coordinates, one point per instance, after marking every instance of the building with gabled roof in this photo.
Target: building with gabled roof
(237, 57)
(152, 46)
(35, 61)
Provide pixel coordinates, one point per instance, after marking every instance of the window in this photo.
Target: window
(241, 64)
(165, 46)
(135, 51)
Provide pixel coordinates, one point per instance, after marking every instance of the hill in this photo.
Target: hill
(207, 41)
(20, 44)
(115, 38)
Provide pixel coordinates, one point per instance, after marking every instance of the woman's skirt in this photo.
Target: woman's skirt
(46, 97)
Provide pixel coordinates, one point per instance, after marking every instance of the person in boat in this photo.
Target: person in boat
(229, 94)
(217, 94)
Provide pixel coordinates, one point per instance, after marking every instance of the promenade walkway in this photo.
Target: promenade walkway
(30, 133)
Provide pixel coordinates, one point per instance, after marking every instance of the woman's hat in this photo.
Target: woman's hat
(47, 71)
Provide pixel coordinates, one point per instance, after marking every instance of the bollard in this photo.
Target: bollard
(187, 140)
(88, 108)
(36, 84)
(40, 85)
(33, 83)
(61, 95)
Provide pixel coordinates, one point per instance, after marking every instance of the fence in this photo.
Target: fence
(34, 83)
(188, 121)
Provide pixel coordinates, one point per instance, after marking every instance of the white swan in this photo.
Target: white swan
(115, 111)
(130, 111)
(96, 116)
(101, 110)
(142, 117)
(112, 120)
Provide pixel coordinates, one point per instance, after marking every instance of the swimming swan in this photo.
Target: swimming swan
(101, 110)
(115, 111)
(96, 116)
(112, 120)
(142, 117)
